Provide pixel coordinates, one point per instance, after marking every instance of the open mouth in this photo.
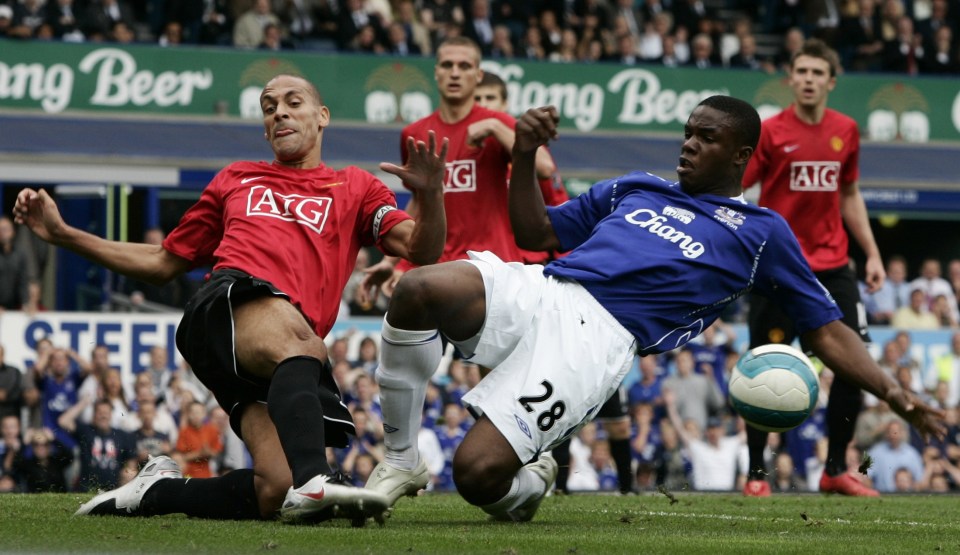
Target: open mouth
(684, 166)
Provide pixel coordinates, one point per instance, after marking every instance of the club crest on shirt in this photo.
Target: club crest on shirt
(309, 211)
(729, 217)
(460, 176)
(814, 176)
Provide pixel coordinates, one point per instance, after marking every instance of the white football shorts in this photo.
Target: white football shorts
(556, 355)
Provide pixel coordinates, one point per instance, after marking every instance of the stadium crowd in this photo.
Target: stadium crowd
(69, 423)
(901, 36)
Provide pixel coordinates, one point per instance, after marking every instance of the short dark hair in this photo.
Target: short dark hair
(746, 121)
(494, 80)
(816, 48)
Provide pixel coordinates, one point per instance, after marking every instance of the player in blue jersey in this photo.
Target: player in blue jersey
(652, 264)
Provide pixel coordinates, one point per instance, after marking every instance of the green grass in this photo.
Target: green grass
(580, 524)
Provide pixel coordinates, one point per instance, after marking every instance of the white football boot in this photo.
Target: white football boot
(395, 483)
(546, 469)
(125, 500)
(326, 497)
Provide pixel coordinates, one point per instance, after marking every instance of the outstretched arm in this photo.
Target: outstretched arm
(150, 263)
(841, 349)
(421, 242)
(528, 213)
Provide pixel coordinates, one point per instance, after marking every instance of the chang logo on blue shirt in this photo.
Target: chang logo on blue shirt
(654, 223)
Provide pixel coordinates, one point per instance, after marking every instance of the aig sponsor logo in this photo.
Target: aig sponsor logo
(645, 218)
(460, 176)
(814, 176)
(309, 211)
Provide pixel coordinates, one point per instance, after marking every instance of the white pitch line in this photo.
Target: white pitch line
(879, 521)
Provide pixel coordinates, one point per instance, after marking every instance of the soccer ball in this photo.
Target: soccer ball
(774, 387)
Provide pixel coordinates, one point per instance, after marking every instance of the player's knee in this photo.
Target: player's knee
(271, 492)
(479, 479)
(412, 291)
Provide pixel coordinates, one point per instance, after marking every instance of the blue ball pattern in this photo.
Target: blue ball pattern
(752, 365)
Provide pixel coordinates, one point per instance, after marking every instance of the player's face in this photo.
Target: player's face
(711, 157)
(457, 73)
(293, 121)
(811, 81)
(490, 98)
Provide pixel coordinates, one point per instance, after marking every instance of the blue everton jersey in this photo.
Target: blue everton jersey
(665, 263)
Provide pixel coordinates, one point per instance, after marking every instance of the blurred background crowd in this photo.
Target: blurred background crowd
(902, 36)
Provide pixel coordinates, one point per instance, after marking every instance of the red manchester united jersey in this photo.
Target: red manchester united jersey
(801, 169)
(298, 229)
(474, 186)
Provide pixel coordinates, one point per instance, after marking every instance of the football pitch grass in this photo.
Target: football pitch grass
(574, 524)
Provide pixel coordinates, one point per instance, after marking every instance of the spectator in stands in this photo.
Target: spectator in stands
(63, 19)
(688, 14)
(417, 33)
(199, 442)
(10, 443)
(627, 50)
(646, 390)
(11, 388)
(121, 33)
(149, 441)
(943, 312)
(939, 473)
(42, 463)
(367, 356)
(747, 58)
(364, 395)
(215, 23)
(248, 29)
(6, 20)
(701, 52)
(891, 455)
(172, 35)
(651, 41)
(298, 17)
(711, 351)
(100, 15)
(904, 53)
(946, 369)
(860, 42)
(932, 283)
(352, 19)
(58, 382)
(503, 47)
(479, 25)
(450, 433)
(105, 451)
(567, 51)
(714, 458)
(942, 56)
(159, 368)
(697, 396)
(14, 270)
(440, 15)
(872, 425)
(28, 18)
(123, 417)
(792, 43)
(273, 39)
(163, 421)
(785, 478)
(916, 315)
(399, 43)
(893, 294)
(532, 46)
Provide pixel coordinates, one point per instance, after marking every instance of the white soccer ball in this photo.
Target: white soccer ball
(774, 387)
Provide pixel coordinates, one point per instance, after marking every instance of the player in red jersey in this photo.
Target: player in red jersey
(282, 237)
(478, 165)
(807, 167)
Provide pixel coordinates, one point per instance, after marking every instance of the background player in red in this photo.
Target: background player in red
(492, 94)
(478, 165)
(807, 167)
(282, 237)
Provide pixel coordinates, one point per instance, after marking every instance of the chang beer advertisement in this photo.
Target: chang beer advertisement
(59, 78)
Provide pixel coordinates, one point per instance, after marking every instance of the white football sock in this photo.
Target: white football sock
(407, 361)
(526, 486)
